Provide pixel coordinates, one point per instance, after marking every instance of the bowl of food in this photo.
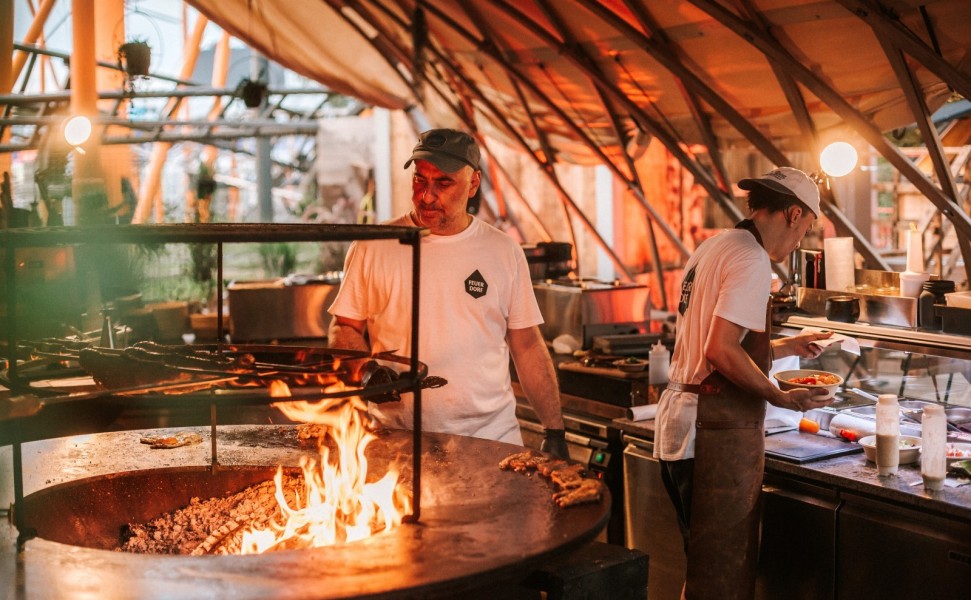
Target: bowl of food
(909, 446)
(631, 364)
(956, 452)
(810, 379)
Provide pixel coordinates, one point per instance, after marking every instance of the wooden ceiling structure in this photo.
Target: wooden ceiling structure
(591, 81)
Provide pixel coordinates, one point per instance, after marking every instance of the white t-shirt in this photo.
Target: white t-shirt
(475, 286)
(729, 276)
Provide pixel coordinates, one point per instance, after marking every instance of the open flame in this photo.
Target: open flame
(338, 504)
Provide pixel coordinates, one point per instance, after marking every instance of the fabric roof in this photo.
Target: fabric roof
(594, 81)
(582, 75)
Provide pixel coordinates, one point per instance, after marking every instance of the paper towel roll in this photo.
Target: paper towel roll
(859, 426)
(641, 413)
(840, 263)
(863, 426)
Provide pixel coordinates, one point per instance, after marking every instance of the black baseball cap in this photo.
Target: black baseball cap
(447, 149)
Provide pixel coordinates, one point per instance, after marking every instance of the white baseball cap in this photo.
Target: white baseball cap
(789, 181)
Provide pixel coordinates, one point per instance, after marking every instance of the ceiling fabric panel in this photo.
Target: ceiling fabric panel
(312, 39)
(560, 75)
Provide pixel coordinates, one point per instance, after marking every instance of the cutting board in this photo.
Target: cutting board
(605, 371)
(793, 446)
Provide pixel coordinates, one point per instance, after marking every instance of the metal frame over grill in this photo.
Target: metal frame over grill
(481, 525)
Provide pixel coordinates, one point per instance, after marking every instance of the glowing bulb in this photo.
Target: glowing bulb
(838, 159)
(77, 130)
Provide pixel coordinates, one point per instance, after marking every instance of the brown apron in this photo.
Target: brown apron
(729, 459)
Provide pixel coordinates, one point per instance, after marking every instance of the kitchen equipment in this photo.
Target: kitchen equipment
(625, 343)
(800, 448)
(487, 526)
(651, 524)
(878, 293)
(280, 309)
(845, 309)
(549, 260)
(934, 292)
(585, 308)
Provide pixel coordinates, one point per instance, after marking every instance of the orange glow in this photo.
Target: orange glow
(279, 389)
(337, 504)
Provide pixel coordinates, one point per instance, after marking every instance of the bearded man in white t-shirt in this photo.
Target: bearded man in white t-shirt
(476, 306)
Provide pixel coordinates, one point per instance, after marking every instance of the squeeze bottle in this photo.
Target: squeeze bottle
(933, 442)
(888, 434)
(658, 363)
(657, 371)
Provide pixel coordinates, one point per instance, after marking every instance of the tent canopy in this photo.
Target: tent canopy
(594, 81)
(584, 80)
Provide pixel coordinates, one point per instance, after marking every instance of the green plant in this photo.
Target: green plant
(279, 259)
(135, 57)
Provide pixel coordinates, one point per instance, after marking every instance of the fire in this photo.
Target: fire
(337, 504)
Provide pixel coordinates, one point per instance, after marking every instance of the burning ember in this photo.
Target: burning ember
(331, 503)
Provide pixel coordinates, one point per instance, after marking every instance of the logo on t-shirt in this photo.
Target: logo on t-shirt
(686, 286)
(475, 285)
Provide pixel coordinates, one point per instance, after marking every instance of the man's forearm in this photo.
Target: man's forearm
(346, 336)
(537, 376)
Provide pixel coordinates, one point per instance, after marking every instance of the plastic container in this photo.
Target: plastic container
(958, 299)
(888, 435)
(933, 293)
(659, 361)
(933, 458)
(657, 370)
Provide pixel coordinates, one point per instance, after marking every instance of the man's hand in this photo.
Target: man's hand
(372, 374)
(554, 442)
(802, 399)
(802, 345)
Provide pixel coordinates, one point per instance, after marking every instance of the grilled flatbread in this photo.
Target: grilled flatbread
(165, 442)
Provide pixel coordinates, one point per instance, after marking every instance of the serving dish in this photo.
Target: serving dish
(909, 448)
(956, 452)
(789, 380)
(630, 364)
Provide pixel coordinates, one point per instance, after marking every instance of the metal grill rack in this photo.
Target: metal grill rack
(219, 234)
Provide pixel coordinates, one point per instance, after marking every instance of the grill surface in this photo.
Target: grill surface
(480, 526)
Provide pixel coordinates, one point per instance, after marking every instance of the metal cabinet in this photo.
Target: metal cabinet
(886, 551)
(797, 556)
(651, 524)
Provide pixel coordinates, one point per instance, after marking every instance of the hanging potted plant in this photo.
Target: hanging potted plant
(135, 57)
(252, 92)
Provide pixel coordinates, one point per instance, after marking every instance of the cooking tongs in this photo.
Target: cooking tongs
(375, 377)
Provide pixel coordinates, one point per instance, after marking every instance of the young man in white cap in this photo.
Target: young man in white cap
(709, 432)
(477, 306)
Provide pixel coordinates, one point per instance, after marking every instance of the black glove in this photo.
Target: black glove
(372, 373)
(554, 442)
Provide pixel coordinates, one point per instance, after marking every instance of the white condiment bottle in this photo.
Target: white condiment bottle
(659, 358)
(657, 371)
(933, 447)
(888, 434)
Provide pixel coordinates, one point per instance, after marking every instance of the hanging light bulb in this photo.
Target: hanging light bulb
(838, 159)
(77, 130)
